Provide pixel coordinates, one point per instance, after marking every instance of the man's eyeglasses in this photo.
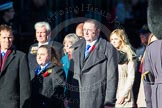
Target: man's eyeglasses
(89, 30)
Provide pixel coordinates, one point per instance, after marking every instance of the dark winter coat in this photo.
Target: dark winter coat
(48, 91)
(97, 74)
(15, 81)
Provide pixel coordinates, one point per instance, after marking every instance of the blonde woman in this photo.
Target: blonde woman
(68, 41)
(126, 69)
(70, 95)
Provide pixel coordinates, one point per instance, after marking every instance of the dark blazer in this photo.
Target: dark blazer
(33, 51)
(15, 82)
(48, 92)
(97, 74)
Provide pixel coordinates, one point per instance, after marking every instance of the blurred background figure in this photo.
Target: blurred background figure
(7, 13)
(123, 11)
(141, 96)
(126, 69)
(7, 16)
(79, 30)
(144, 37)
(35, 11)
(144, 34)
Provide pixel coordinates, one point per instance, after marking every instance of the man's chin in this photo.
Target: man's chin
(7, 47)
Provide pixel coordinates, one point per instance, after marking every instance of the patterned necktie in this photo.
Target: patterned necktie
(86, 50)
(3, 54)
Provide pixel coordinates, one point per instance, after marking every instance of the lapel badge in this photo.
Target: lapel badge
(34, 50)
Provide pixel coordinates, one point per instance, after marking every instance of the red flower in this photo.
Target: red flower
(45, 74)
(92, 48)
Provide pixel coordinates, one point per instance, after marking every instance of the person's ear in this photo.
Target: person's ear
(98, 32)
(48, 35)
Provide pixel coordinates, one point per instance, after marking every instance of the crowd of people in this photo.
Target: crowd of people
(85, 71)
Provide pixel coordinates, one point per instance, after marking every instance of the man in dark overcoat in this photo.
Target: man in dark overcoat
(95, 68)
(14, 73)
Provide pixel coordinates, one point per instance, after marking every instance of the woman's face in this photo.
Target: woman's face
(42, 56)
(115, 41)
(67, 46)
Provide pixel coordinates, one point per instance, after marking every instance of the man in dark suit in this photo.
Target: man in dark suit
(14, 73)
(43, 33)
(95, 68)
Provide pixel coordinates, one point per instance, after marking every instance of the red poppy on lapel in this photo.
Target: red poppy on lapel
(45, 74)
(49, 71)
(92, 48)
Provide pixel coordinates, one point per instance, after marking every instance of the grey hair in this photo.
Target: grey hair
(72, 37)
(41, 24)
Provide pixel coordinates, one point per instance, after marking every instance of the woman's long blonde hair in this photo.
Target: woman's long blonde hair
(125, 45)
